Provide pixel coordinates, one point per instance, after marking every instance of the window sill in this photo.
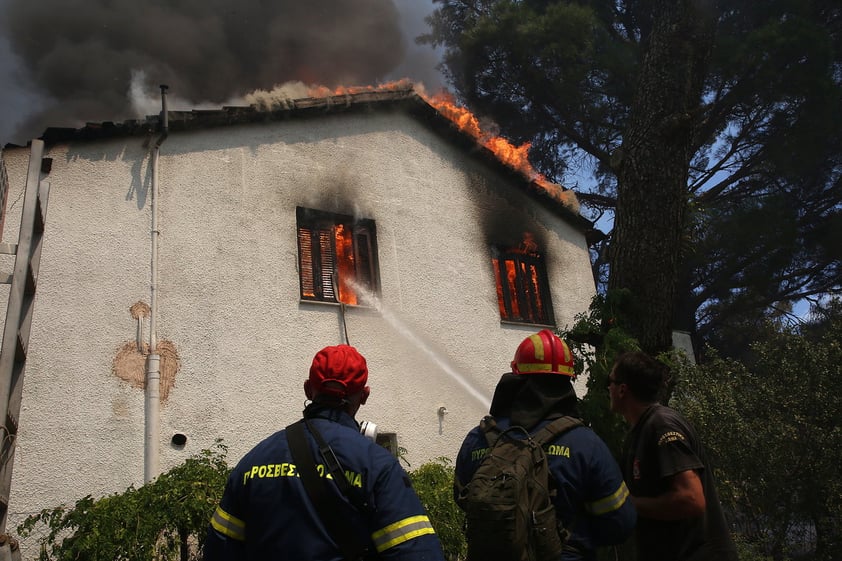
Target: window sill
(336, 304)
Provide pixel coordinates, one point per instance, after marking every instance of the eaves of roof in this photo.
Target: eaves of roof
(403, 98)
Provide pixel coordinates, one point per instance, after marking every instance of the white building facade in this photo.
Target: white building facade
(240, 304)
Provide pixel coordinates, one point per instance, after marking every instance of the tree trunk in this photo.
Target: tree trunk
(652, 165)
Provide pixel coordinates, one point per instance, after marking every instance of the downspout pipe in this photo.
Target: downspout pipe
(152, 422)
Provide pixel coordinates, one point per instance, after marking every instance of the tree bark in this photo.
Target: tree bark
(652, 165)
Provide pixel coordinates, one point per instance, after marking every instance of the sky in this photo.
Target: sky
(67, 62)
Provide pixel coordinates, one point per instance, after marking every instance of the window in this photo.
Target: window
(337, 257)
(523, 292)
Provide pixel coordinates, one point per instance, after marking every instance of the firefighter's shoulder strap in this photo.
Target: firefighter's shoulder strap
(555, 429)
(317, 488)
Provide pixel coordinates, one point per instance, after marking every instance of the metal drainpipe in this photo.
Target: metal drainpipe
(153, 361)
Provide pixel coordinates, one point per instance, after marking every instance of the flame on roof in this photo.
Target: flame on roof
(515, 157)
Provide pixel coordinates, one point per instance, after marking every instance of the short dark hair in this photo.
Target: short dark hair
(646, 377)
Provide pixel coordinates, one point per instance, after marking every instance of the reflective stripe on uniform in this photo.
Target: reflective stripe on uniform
(228, 525)
(401, 531)
(610, 503)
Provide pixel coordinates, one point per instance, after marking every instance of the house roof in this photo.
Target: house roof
(559, 199)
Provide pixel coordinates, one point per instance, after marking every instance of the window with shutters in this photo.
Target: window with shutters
(523, 291)
(337, 257)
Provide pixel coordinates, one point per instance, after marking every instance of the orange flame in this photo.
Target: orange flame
(345, 264)
(519, 295)
(516, 157)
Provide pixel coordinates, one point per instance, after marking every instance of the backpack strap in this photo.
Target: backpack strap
(354, 495)
(488, 426)
(559, 426)
(555, 429)
(548, 433)
(316, 487)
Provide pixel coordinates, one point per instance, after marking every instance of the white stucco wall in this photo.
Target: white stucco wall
(228, 291)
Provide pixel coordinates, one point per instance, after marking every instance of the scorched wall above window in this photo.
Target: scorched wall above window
(337, 257)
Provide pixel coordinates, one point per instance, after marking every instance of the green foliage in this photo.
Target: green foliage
(772, 431)
(770, 423)
(433, 481)
(748, 551)
(761, 142)
(155, 521)
(159, 520)
(596, 338)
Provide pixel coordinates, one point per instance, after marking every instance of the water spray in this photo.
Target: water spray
(335, 281)
(405, 330)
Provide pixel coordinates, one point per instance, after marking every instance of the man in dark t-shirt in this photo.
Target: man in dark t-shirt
(664, 465)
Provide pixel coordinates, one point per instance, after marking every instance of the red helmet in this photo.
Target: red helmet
(543, 353)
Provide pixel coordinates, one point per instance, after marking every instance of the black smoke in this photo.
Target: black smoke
(85, 58)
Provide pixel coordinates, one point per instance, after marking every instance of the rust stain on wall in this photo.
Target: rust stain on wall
(130, 361)
(139, 310)
(130, 365)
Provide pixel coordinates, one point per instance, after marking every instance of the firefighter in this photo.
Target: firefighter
(592, 499)
(672, 485)
(266, 513)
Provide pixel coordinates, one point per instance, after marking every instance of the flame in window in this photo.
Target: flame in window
(337, 256)
(511, 276)
(345, 264)
(522, 289)
(528, 245)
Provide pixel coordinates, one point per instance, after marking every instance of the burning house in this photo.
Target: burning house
(235, 243)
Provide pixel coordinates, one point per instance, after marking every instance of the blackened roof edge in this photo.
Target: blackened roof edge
(405, 97)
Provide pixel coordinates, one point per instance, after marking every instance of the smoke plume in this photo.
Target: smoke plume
(101, 60)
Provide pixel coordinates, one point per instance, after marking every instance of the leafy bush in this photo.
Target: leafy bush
(433, 482)
(167, 518)
(159, 520)
(771, 426)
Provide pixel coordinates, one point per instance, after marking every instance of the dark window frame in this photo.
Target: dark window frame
(319, 274)
(526, 300)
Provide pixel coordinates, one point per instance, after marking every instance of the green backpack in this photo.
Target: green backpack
(508, 502)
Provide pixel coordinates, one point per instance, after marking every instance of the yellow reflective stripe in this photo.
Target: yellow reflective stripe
(610, 503)
(228, 525)
(401, 531)
(543, 367)
(567, 353)
(538, 345)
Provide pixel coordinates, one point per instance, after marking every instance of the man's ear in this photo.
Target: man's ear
(308, 389)
(366, 391)
(623, 390)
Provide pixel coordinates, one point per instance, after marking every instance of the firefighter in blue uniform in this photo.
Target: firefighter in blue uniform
(592, 501)
(265, 512)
